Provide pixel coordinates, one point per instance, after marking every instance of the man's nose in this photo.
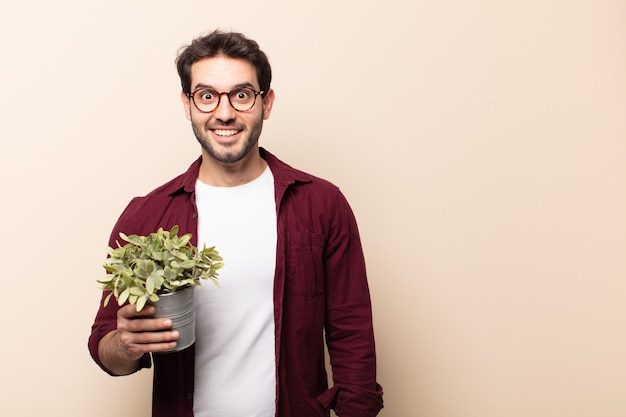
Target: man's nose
(224, 111)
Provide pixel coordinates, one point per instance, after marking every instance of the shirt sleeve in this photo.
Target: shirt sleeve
(348, 323)
(106, 317)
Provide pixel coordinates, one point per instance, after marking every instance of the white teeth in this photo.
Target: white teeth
(225, 132)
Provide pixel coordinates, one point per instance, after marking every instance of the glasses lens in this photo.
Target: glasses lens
(242, 99)
(206, 100)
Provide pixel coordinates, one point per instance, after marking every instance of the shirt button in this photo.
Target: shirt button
(189, 396)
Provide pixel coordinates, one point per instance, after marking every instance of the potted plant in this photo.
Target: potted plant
(161, 269)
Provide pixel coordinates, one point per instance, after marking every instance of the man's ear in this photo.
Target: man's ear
(186, 103)
(268, 102)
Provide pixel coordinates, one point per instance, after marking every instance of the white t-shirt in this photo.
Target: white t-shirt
(235, 372)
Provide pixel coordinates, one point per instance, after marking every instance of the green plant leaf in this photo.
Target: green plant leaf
(154, 282)
(180, 255)
(123, 296)
(169, 273)
(106, 300)
(141, 302)
(136, 291)
(136, 240)
(184, 240)
(187, 264)
(107, 278)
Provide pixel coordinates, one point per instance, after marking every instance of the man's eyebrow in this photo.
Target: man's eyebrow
(240, 85)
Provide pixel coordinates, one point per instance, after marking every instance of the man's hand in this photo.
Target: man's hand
(137, 333)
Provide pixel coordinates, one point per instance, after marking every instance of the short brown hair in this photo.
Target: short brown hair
(229, 44)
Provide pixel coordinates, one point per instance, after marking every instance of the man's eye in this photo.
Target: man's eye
(241, 95)
(207, 96)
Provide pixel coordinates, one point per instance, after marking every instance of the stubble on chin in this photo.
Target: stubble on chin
(227, 156)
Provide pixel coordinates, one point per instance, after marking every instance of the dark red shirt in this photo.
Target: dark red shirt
(320, 288)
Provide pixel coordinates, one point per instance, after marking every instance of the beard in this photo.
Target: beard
(231, 154)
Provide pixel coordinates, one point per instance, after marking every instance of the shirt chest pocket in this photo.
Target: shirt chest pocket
(304, 264)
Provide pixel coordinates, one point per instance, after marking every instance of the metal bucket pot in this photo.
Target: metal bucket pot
(180, 307)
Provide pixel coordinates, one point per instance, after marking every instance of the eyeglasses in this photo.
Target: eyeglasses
(207, 99)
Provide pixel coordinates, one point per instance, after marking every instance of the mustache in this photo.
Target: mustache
(238, 126)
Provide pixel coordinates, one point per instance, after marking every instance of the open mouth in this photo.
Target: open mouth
(225, 132)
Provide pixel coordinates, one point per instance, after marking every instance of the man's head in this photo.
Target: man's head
(228, 44)
(226, 96)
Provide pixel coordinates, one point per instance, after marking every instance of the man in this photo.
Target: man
(294, 270)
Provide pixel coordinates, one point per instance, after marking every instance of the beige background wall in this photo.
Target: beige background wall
(482, 145)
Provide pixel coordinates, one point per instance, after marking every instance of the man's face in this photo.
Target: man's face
(227, 135)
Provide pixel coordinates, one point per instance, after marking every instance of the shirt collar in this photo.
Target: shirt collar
(283, 173)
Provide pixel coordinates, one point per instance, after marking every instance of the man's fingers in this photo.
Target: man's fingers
(144, 325)
(129, 319)
(129, 311)
(139, 332)
(130, 339)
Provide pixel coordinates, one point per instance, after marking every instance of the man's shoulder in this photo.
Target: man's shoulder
(182, 183)
(285, 173)
(143, 214)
